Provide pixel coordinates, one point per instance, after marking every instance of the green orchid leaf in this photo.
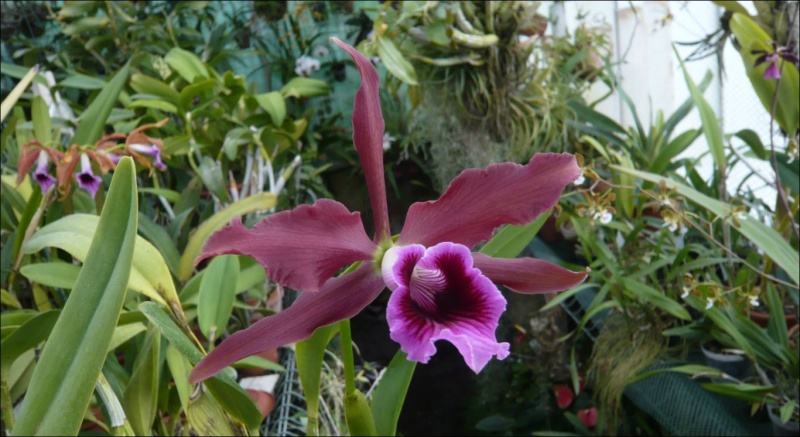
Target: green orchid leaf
(161, 240)
(510, 241)
(395, 62)
(708, 118)
(186, 64)
(52, 274)
(261, 201)
(12, 97)
(217, 292)
(387, 400)
(305, 87)
(309, 354)
(144, 84)
(149, 276)
(274, 104)
(42, 124)
(26, 337)
(650, 295)
(70, 363)
(92, 122)
(140, 399)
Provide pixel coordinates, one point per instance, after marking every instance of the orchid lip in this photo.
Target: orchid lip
(86, 178)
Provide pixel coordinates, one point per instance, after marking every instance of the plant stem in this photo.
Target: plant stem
(8, 408)
(347, 357)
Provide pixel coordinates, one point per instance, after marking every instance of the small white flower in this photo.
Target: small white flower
(606, 217)
(305, 65)
(672, 226)
(710, 303)
(376, 60)
(741, 216)
(320, 51)
(387, 141)
(685, 293)
(753, 301)
(581, 179)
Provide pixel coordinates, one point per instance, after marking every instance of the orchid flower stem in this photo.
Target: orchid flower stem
(347, 357)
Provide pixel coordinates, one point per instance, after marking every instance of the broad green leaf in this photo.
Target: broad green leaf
(259, 362)
(65, 376)
(395, 62)
(708, 118)
(198, 89)
(753, 393)
(235, 401)
(154, 104)
(217, 291)
(27, 336)
(205, 416)
(179, 368)
(91, 125)
(161, 240)
(86, 24)
(751, 37)
(305, 87)
(261, 201)
(144, 84)
(83, 82)
(9, 299)
(186, 64)
(389, 395)
(149, 276)
(52, 274)
(12, 97)
(141, 395)
(656, 298)
(166, 325)
(564, 295)
(274, 104)
(760, 234)
(510, 241)
(125, 332)
(211, 174)
(171, 195)
(357, 414)
(42, 124)
(731, 5)
(309, 354)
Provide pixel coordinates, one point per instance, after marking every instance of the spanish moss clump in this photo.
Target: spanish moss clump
(621, 352)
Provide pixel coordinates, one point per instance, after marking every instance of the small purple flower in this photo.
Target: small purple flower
(86, 178)
(774, 57)
(41, 174)
(152, 150)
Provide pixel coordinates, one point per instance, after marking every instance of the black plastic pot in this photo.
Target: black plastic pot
(779, 428)
(733, 364)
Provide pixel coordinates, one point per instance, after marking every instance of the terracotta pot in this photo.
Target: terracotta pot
(263, 400)
(762, 319)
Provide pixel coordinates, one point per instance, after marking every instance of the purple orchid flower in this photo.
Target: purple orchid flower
(153, 151)
(86, 178)
(441, 290)
(773, 57)
(41, 174)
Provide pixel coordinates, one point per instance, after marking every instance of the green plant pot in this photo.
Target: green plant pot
(779, 428)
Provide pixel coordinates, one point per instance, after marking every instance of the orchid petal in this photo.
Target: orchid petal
(301, 248)
(368, 138)
(339, 299)
(398, 263)
(772, 71)
(444, 298)
(86, 178)
(479, 200)
(42, 174)
(528, 275)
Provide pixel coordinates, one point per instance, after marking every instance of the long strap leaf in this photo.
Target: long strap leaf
(73, 356)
